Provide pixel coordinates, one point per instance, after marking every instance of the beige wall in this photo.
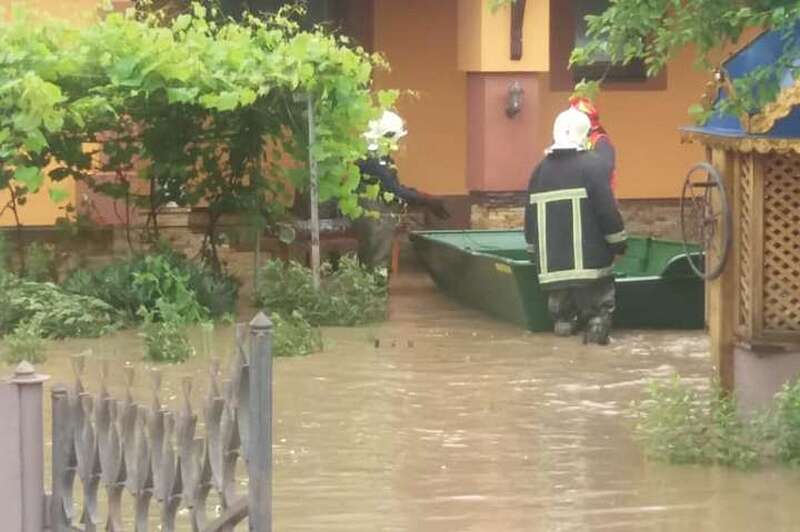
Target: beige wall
(484, 37)
(419, 38)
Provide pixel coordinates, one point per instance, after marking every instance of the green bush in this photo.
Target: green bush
(166, 341)
(59, 314)
(349, 295)
(294, 336)
(163, 275)
(679, 424)
(25, 343)
(785, 424)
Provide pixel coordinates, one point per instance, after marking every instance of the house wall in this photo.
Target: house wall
(420, 40)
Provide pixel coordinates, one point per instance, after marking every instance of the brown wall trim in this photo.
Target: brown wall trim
(562, 32)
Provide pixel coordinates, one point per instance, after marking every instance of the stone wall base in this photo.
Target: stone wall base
(657, 218)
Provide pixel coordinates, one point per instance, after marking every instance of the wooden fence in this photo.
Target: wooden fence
(149, 460)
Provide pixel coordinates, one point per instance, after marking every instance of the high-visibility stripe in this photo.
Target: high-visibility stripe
(575, 275)
(541, 214)
(577, 233)
(616, 238)
(556, 195)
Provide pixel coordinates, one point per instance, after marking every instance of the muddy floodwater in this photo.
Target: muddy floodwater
(445, 420)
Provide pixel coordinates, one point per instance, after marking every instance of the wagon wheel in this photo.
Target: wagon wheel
(706, 217)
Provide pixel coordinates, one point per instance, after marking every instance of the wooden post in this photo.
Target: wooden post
(60, 513)
(757, 248)
(22, 466)
(259, 466)
(721, 292)
(313, 193)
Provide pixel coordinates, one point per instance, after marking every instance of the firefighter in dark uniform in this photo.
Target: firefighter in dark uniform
(574, 231)
(375, 230)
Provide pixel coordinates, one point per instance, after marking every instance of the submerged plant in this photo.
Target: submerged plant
(348, 295)
(682, 425)
(25, 343)
(294, 336)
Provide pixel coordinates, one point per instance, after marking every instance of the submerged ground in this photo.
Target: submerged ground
(445, 420)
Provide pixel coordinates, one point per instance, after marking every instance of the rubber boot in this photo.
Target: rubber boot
(597, 331)
(565, 328)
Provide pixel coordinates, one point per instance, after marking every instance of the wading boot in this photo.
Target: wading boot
(597, 331)
(566, 328)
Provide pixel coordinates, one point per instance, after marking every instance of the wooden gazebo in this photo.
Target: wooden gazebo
(753, 304)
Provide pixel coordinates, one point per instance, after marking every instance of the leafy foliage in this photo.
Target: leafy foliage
(349, 295)
(166, 340)
(680, 424)
(59, 314)
(144, 279)
(199, 109)
(658, 29)
(294, 336)
(785, 424)
(25, 343)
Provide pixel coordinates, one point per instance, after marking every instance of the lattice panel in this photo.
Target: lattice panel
(745, 220)
(781, 312)
(155, 458)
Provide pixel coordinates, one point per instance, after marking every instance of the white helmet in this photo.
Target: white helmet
(570, 131)
(389, 126)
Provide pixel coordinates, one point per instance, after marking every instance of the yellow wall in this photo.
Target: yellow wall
(485, 37)
(643, 125)
(419, 38)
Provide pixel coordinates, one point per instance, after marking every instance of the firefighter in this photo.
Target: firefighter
(574, 231)
(375, 230)
(598, 137)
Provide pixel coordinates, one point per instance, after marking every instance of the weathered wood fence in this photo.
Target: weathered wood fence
(149, 460)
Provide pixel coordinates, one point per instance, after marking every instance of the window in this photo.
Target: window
(633, 71)
(568, 30)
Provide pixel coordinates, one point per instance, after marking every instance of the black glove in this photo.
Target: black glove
(436, 206)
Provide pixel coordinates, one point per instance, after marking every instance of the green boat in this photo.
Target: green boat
(490, 270)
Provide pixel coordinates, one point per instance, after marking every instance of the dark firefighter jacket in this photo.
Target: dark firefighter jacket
(572, 224)
(383, 172)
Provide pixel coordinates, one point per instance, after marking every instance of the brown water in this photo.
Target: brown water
(461, 423)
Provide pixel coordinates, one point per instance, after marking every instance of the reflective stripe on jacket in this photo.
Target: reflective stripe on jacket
(571, 219)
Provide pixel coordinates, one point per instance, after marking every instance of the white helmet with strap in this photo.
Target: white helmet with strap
(389, 126)
(570, 131)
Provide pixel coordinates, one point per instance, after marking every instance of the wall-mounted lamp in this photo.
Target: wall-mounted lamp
(514, 99)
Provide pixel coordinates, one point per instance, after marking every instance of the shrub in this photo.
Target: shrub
(349, 295)
(166, 341)
(679, 424)
(294, 336)
(785, 424)
(166, 293)
(167, 270)
(59, 314)
(25, 343)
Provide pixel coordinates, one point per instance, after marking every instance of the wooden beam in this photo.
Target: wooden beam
(517, 22)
